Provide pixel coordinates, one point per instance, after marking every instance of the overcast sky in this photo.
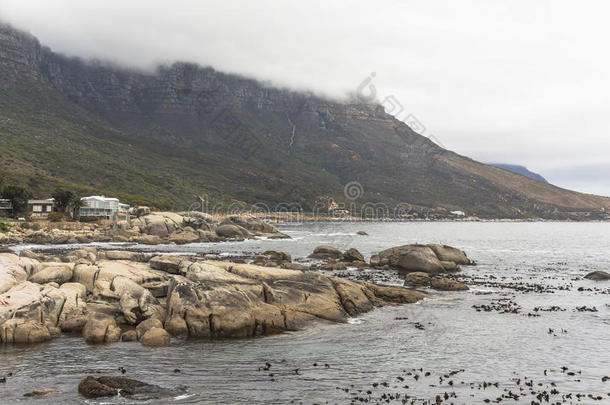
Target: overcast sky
(521, 82)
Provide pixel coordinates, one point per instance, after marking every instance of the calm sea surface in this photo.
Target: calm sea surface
(521, 267)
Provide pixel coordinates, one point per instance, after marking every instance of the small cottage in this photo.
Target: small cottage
(6, 208)
(40, 208)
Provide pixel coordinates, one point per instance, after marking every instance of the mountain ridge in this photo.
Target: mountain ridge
(522, 170)
(168, 137)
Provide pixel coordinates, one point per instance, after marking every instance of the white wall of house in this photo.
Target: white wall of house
(100, 206)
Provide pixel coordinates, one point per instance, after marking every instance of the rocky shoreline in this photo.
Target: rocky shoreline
(112, 295)
(146, 228)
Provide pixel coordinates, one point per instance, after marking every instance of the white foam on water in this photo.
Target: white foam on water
(183, 396)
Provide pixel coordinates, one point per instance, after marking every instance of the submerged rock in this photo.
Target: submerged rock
(106, 386)
(41, 392)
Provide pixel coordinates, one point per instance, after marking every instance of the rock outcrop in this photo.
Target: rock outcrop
(111, 299)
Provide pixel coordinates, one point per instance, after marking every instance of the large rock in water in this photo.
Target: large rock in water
(598, 276)
(409, 258)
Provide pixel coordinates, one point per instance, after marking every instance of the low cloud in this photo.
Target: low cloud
(508, 81)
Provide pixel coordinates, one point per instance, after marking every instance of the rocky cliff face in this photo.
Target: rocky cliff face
(185, 130)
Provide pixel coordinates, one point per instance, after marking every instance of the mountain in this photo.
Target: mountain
(164, 138)
(522, 170)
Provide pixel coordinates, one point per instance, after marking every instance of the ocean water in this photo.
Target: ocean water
(529, 337)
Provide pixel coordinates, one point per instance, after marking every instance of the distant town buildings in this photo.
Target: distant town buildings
(40, 208)
(102, 207)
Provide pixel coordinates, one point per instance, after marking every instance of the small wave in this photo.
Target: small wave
(183, 396)
(355, 321)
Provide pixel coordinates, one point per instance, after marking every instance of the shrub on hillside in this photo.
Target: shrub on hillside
(4, 227)
(89, 219)
(56, 217)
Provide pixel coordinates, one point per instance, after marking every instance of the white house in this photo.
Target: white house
(103, 207)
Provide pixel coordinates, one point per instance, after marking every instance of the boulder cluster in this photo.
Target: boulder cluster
(109, 296)
(419, 264)
(147, 228)
(336, 260)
